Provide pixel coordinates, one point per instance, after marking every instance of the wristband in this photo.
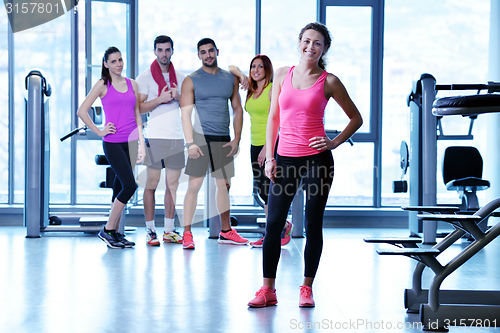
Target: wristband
(187, 145)
(272, 159)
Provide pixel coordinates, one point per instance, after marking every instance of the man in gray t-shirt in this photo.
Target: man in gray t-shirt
(208, 142)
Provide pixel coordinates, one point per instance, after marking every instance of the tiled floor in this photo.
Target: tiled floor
(73, 283)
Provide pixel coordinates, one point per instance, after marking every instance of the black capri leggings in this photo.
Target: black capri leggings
(118, 156)
(260, 181)
(316, 173)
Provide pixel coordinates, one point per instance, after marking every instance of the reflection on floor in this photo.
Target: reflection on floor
(73, 283)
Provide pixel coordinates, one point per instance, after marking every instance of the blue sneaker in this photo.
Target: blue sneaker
(111, 239)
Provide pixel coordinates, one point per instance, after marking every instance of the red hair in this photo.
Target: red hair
(268, 69)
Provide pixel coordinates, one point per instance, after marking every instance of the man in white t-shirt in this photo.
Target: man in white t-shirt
(159, 94)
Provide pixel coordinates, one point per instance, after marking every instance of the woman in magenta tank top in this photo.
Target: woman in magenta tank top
(122, 137)
(299, 97)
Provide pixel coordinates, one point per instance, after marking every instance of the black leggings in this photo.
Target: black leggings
(260, 181)
(118, 156)
(316, 173)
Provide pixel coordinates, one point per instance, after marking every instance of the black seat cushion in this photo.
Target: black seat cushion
(468, 183)
(463, 168)
(470, 105)
(484, 100)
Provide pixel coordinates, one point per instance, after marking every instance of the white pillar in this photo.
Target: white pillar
(492, 154)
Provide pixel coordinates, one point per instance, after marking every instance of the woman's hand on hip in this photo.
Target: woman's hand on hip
(321, 143)
(108, 129)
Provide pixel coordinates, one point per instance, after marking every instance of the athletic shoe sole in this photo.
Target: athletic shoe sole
(268, 303)
(307, 305)
(263, 305)
(228, 241)
(171, 240)
(188, 247)
(153, 244)
(109, 244)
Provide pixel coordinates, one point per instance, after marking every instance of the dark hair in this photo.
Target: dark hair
(163, 39)
(321, 28)
(268, 69)
(205, 41)
(105, 71)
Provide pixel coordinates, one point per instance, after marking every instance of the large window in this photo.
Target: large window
(45, 47)
(349, 58)
(232, 26)
(108, 27)
(448, 39)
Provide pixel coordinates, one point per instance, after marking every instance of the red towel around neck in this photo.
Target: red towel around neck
(158, 75)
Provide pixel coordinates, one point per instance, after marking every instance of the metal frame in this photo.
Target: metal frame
(12, 136)
(377, 56)
(74, 98)
(258, 25)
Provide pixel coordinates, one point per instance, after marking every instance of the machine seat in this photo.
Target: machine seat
(463, 169)
(468, 183)
(466, 105)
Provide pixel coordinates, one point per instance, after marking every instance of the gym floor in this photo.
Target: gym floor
(73, 283)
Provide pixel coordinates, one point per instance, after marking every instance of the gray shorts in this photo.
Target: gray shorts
(215, 157)
(164, 153)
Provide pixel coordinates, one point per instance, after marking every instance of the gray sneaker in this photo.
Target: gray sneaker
(111, 239)
(125, 242)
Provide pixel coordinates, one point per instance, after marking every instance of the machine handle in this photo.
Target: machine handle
(73, 132)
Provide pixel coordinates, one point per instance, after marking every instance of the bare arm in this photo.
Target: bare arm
(165, 97)
(273, 122)
(335, 89)
(141, 153)
(237, 119)
(99, 90)
(262, 155)
(242, 77)
(187, 104)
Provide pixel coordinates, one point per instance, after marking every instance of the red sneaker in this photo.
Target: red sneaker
(258, 243)
(187, 241)
(286, 233)
(264, 297)
(306, 297)
(232, 237)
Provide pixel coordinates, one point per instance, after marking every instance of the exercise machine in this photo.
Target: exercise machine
(37, 168)
(425, 129)
(440, 309)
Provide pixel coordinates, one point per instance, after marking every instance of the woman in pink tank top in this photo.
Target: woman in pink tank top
(299, 98)
(122, 137)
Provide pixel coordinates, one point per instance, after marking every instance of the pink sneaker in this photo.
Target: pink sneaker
(257, 243)
(232, 237)
(264, 297)
(286, 233)
(306, 297)
(187, 241)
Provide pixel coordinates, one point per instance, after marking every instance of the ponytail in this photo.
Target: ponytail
(105, 71)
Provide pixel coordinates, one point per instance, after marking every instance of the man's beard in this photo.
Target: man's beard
(213, 64)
